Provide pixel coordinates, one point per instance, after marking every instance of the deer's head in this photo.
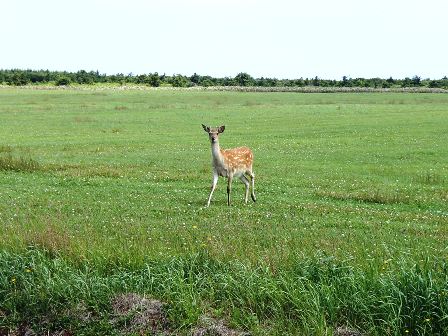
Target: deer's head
(213, 132)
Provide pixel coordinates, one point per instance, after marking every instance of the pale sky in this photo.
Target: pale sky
(265, 38)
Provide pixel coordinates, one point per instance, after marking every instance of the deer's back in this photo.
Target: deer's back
(238, 159)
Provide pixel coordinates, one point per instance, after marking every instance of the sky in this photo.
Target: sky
(221, 38)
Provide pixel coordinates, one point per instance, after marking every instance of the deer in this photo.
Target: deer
(230, 163)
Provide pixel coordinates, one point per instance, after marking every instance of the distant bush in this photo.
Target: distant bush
(441, 83)
(18, 79)
(207, 83)
(244, 79)
(62, 81)
(180, 81)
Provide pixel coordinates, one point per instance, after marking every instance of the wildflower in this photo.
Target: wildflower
(195, 227)
(13, 280)
(28, 270)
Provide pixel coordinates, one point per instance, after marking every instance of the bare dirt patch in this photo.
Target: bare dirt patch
(134, 313)
(346, 331)
(213, 327)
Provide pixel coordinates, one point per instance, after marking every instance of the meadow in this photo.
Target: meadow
(102, 192)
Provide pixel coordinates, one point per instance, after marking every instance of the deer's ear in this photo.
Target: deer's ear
(206, 128)
(221, 129)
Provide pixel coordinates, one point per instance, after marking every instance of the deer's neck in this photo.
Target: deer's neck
(216, 154)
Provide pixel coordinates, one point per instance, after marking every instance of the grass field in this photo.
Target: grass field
(103, 192)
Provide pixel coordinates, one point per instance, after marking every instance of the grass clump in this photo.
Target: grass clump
(18, 164)
(5, 149)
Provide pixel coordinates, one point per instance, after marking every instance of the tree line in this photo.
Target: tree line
(18, 77)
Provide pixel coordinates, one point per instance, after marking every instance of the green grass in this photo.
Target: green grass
(350, 226)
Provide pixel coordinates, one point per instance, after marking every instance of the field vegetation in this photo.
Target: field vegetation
(102, 194)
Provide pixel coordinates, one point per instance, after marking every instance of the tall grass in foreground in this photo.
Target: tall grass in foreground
(313, 297)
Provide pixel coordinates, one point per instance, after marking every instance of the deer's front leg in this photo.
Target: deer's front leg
(229, 187)
(215, 181)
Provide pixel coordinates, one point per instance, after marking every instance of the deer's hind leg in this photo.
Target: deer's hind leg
(246, 183)
(252, 177)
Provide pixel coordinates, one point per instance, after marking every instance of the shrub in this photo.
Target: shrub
(62, 81)
(244, 79)
(180, 81)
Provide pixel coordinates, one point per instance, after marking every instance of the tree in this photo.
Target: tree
(227, 81)
(244, 79)
(179, 81)
(360, 82)
(18, 78)
(416, 81)
(118, 78)
(140, 79)
(441, 83)
(376, 82)
(299, 82)
(406, 82)
(62, 80)
(154, 79)
(206, 81)
(346, 82)
(83, 77)
(195, 78)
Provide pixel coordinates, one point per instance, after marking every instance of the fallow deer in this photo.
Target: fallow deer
(230, 163)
